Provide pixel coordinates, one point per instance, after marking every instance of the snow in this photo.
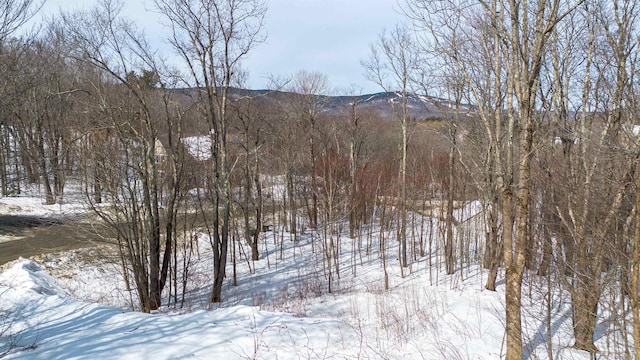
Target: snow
(198, 146)
(50, 325)
(56, 327)
(274, 188)
(31, 203)
(68, 306)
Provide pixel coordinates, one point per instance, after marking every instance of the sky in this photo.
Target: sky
(327, 36)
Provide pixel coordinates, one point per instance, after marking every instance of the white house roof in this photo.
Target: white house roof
(198, 146)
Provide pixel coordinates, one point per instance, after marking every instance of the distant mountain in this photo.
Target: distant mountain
(386, 104)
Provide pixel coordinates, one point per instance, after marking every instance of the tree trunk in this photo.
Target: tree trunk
(513, 282)
(493, 250)
(5, 152)
(635, 269)
(585, 310)
(516, 259)
(97, 185)
(513, 279)
(255, 253)
(249, 232)
(151, 194)
(49, 198)
(495, 260)
(402, 232)
(449, 241)
(293, 223)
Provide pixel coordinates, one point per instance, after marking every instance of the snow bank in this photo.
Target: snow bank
(46, 324)
(26, 277)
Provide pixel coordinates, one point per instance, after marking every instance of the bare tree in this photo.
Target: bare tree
(465, 48)
(251, 122)
(393, 63)
(45, 124)
(125, 90)
(355, 125)
(16, 13)
(598, 171)
(18, 79)
(518, 37)
(307, 89)
(212, 38)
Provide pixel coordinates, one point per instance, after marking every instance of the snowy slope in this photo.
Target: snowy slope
(281, 309)
(49, 325)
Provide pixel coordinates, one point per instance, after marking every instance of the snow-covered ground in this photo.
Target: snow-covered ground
(71, 306)
(32, 203)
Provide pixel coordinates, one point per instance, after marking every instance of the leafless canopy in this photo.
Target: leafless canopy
(15, 13)
(212, 37)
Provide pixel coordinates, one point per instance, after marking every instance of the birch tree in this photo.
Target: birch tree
(521, 32)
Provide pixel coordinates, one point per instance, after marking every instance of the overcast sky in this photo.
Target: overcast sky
(328, 36)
